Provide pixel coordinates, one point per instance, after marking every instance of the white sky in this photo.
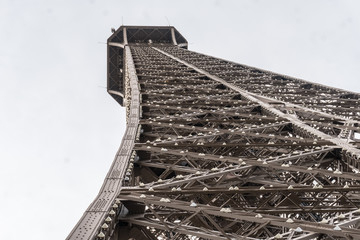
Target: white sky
(59, 129)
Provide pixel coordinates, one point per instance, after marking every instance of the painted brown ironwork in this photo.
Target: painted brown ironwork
(219, 150)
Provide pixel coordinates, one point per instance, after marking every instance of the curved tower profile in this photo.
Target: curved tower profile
(219, 150)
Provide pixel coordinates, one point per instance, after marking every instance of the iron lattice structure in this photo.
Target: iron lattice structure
(219, 150)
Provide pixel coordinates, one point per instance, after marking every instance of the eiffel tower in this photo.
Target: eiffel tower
(219, 150)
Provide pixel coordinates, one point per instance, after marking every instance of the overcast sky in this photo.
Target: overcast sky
(59, 129)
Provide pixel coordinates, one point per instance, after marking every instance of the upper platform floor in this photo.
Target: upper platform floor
(128, 35)
(147, 34)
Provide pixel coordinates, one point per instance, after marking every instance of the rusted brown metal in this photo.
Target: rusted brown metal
(220, 150)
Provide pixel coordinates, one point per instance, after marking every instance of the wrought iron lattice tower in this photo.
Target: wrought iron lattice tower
(219, 150)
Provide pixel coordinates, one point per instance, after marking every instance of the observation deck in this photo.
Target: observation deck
(134, 35)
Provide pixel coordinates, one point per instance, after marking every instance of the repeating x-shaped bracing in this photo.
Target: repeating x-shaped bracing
(219, 162)
(226, 151)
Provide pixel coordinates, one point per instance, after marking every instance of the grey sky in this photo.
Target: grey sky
(59, 130)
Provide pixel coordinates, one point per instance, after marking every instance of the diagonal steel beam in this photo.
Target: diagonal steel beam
(339, 142)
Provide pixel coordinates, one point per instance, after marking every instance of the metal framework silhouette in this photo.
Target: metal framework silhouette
(219, 150)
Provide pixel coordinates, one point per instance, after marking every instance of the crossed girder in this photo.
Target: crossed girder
(211, 163)
(324, 98)
(219, 150)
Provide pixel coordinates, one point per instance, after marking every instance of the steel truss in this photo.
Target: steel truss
(218, 150)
